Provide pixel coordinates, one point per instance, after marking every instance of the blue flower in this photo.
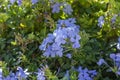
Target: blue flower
(11, 76)
(21, 74)
(118, 72)
(101, 61)
(119, 39)
(48, 52)
(113, 56)
(100, 21)
(118, 44)
(92, 72)
(67, 76)
(19, 2)
(47, 40)
(57, 49)
(85, 74)
(67, 8)
(69, 55)
(40, 75)
(116, 59)
(12, 1)
(76, 45)
(56, 7)
(1, 74)
(59, 52)
(34, 1)
(66, 23)
(60, 36)
(114, 18)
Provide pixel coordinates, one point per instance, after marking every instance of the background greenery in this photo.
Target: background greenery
(23, 28)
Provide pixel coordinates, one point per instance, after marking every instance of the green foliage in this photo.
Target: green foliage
(23, 28)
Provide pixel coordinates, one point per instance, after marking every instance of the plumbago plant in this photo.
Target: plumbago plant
(59, 40)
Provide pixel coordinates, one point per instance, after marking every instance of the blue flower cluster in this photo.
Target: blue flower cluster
(55, 6)
(116, 59)
(85, 74)
(101, 21)
(19, 2)
(66, 8)
(22, 75)
(67, 32)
